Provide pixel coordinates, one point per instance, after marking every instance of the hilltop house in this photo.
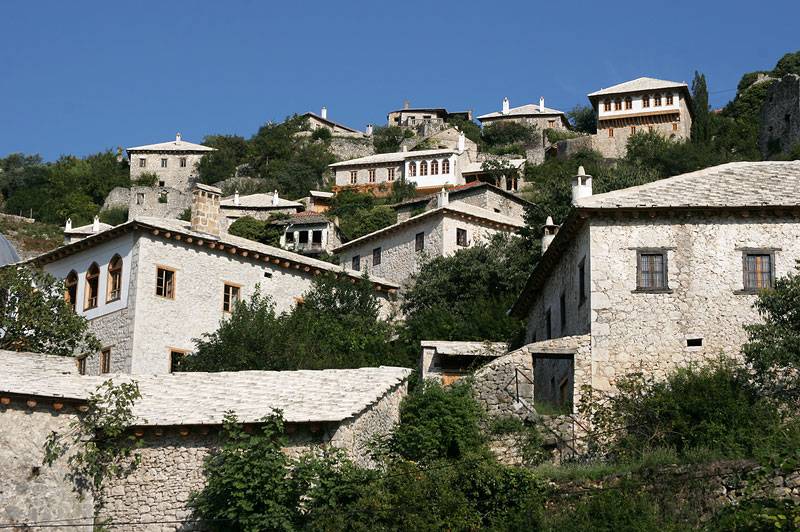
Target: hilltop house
(177, 424)
(529, 114)
(310, 233)
(259, 206)
(317, 201)
(653, 277)
(151, 285)
(398, 250)
(321, 120)
(477, 193)
(424, 120)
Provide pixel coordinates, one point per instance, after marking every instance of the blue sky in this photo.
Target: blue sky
(83, 76)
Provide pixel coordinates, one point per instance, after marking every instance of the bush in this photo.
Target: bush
(322, 133)
(387, 139)
(248, 227)
(147, 179)
(114, 216)
(504, 134)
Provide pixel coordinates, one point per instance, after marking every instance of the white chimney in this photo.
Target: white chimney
(96, 225)
(324, 113)
(177, 137)
(369, 130)
(550, 231)
(443, 198)
(581, 185)
(275, 198)
(404, 148)
(541, 104)
(462, 142)
(506, 106)
(236, 198)
(68, 225)
(406, 104)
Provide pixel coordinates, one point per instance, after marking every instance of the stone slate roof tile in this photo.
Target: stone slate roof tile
(530, 109)
(172, 145)
(260, 200)
(639, 84)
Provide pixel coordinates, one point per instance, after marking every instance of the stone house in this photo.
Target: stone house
(317, 201)
(780, 116)
(423, 120)
(396, 252)
(73, 234)
(656, 276)
(310, 233)
(259, 206)
(529, 114)
(321, 120)
(448, 362)
(177, 420)
(174, 162)
(151, 285)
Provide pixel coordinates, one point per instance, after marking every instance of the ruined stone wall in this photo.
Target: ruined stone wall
(780, 116)
(345, 148)
(119, 197)
(174, 175)
(490, 200)
(158, 202)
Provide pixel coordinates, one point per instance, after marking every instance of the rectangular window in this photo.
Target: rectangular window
(303, 237)
(562, 302)
(674, 126)
(230, 296)
(617, 105)
(758, 271)
(371, 175)
(142, 162)
(391, 174)
(376, 256)
(446, 166)
(628, 103)
(82, 366)
(290, 236)
(611, 132)
(316, 237)
(657, 100)
(165, 283)
(669, 99)
(356, 263)
(582, 281)
(633, 130)
(645, 101)
(548, 325)
(163, 163)
(175, 357)
(183, 162)
(140, 198)
(353, 177)
(419, 242)
(461, 237)
(606, 105)
(105, 360)
(652, 270)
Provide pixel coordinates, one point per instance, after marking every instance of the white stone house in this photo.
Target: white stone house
(174, 162)
(396, 252)
(657, 276)
(310, 233)
(321, 121)
(73, 234)
(529, 114)
(426, 119)
(447, 361)
(151, 285)
(259, 206)
(177, 420)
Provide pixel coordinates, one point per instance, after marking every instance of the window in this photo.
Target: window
(434, 167)
(175, 357)
(161, 183)
(551, 123)
(652, 270)
(376, 256)
(582, 281)
(391, 174)
(114, 288)
(633, 130)
(183, 162)
(82, 366)
(669, 99)
(92, 285)
(657, 100)
(617, 105)
(628, 103)
(371, 175)
(423, 168)
(316, 237)
(163, 163)
(353, 177)
(607, 105)
(290, 236)
(548, 325)
(694, 342)
(412, 169)
(611, 132)
(446, 166)
(71, 292)
(562, 308)
(646, 100)
(142, 162)
(419, 242)
(356, 263)
(674, 126)
(303, 235)
(165, 283)
(231, 294)
(139, 198)
(758, 270)
(105, 360)
(461, 237)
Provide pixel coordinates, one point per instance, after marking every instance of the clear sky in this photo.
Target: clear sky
(83, 76)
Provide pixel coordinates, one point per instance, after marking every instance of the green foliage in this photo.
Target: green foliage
(322, 133)
(267, 231)
(761, 515)
(403, 190)
(146, 179)
(465, 296)
(508, 137)
(788, 64)
(496, 169)
(186, 215)
(216, 166)
(33, 238)
(361, 213)
(247, 487)
(583, 119)
(98, 442)
(701, 132)
(336, 326)
(438, 422)
(34, 315)
(114, 215)
(471, 130)
(554, 135)
(387, 139)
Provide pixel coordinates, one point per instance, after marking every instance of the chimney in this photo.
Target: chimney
(506, 106)
(550, 231)
(119, 154)
(443, 198)
(581, 185)
(404, 148)
(462, 142)
(236, 198)
(324, 113)
(406, 104)
(177, 137)
(68, 225)
(369, 130)
(96, 224)
(541, 104)
(205, 209)
(275, 198)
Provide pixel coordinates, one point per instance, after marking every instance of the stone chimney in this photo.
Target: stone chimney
(177, 137)
(506, 106)
(275, 198)
(404, 148)
(236, 198)
(442, 198)
(581, 185)
(68, 225)
(369, 130)
(205, 209)
(541, 104)
(96, 224)
(550, 232)
(406, 104)
(462, 142)
(324, 113)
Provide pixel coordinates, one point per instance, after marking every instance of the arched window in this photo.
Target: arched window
(669, 99)
(607, 105)
(617, 105)
(657, 100)
(71, 285)
(446, 166)
(423, 168)
(92, 285)
(646, 100)
(412, 169)
(434, 167)
(114, 288)
(628, 103)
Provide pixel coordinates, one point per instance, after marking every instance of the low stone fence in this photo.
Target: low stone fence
(15, 218)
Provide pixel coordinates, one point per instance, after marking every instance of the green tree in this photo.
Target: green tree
(361, 213)
(788, 64)
(471, 130)
(583, 119)
(221, 164)
(34, 315)
(387, 139)
(701, 133)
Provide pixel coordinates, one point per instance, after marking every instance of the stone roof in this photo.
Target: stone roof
(305, 217)
(260, 200)
(475, 349)
(457, 190)
(457, 207)
(172, 145)
(8, 255)
(87, 229)
(639, 84)
(331, 122)
(320, 194)
(391, 157)
(740, 184)
(199, 398)
(530, 109)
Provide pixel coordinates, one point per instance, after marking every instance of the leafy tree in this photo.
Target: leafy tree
(360, 214)
(788, 64)
(387, 139)
(114, 216)
(510, 133)
(34, 315)
(221, 164)
(247, 227)
(146, 179)
(402, 190)
(471, 130)
(701, 133)
(322, 133)
(583, 119)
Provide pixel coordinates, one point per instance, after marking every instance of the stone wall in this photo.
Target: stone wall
(345, 148)
(780, 116)
(150, 201)
(119, 197)
(174, 175)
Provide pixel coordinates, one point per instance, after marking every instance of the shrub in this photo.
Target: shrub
(248, 227)
(503, 134)
(147, 179)
(114, 216)
(322, 133)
